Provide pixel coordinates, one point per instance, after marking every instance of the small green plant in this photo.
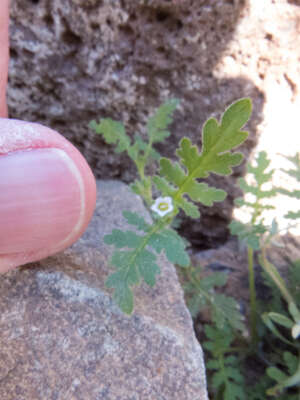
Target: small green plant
(272, 346)
(279, 354)
(201, 294)
(294, 173)
(135, 255)
(259, 235)
(226, 378)
(252, 232)
(272, 343)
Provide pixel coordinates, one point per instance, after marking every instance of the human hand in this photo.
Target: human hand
(47, 190)
(4, 4)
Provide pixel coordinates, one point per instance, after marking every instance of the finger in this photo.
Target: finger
(47, 193)
(4, 4)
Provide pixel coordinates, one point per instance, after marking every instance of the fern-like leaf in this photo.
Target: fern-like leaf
(259, 170)
(137, 260)
(226, 375)
(201, 293)
(136, 220)
(113, 132)
(226, 310)
(219, 341)
(252, 232)
(173, 245)
(257, 390)
(179, 179)
(294, 173)
(157, 125)
(140, 151)
(131, 266)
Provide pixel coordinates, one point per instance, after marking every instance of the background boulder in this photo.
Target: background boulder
(77, 60)
(63, 338)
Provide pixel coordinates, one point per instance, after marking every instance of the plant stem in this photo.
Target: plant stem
(158, 225)
(253, 308)
(274, 274)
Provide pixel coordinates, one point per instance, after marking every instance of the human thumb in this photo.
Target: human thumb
(3, 55)
(47, 193)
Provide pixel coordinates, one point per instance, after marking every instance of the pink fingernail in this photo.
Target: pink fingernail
(42, 201)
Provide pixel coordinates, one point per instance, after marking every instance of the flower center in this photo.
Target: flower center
(163, 206)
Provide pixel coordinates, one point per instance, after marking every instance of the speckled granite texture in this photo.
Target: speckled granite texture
(62, 338)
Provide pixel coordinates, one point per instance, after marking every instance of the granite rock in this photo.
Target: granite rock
(76, 60)
(63, 338)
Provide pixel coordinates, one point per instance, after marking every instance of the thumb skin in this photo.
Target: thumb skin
(4, 5)
(47, 193)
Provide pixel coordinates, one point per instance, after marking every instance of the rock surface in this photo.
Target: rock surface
(62, 337)
(76, 60)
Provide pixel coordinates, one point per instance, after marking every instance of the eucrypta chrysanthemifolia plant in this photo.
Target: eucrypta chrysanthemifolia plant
(135, 254)
(284, 366)
(233, 358)
(134, 258)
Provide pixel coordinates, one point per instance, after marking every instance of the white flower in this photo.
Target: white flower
(162, 206)
(296, 330)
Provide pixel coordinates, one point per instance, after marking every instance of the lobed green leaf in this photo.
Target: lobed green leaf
(234, 392)
(113, 132)
(257, 191)
(201, 293)
(226, 136)
(217, 279)
(295, 172)
(179, 179)
(172, 171)
(173, 245)
(123, 295)
(226, 377)
(163, 186)
(189, 208)
(226, 311)
(218, 340)
(251, 234)
(259, 171)
(123, 239)
(136, 220)
(190, 157)
(140, 262)
(148, 268)
(201, 192)
(157, 125)
(131, 266)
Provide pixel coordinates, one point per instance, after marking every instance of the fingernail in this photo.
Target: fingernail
(42, 201)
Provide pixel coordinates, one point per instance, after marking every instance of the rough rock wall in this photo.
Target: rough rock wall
(77, 60)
